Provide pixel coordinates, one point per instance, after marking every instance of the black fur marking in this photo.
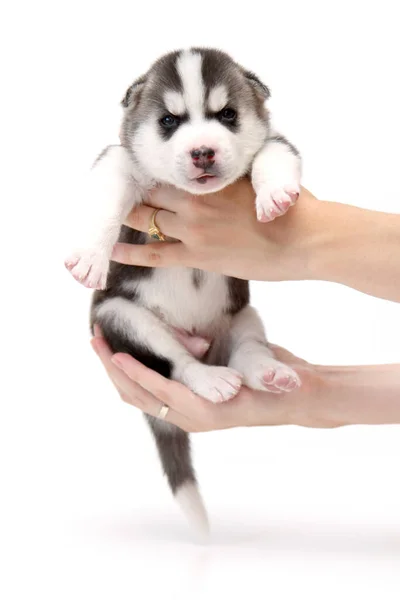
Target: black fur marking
(197, 278)
(173, 444)
(243, 88)
(120, 343)
(133, 91)
(231, 125)
(282, 140)
(216, 68)
(174, 450)
(122, 273)
(219, 68)
(239, 294)
(150, 95)
(167, 133)
(258, 85)
(166, 74)
(144, 99)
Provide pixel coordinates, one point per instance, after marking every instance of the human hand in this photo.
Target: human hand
(147, 390)
(220, 232)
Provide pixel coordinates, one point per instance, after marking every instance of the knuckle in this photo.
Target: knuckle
(135, 219)
(198, 233)
(125, 254)
(154, 258)
(124, 397)
(162, 394)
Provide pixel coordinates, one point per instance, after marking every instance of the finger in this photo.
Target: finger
(105, 354)
(142, 399)
(97, 331)
(169, 198)
(164, 254)
(171, 393)
(101, 347)
(117, 375)
(153, 382)
(140, 218)
(131, 392)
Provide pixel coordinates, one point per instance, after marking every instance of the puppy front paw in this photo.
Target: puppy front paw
(89, 267)
(262, 372)
(273, 200)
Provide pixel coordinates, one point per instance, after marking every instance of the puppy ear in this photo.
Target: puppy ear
(259, 87)
(132, 94)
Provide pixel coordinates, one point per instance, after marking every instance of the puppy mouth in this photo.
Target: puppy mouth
(203, 177)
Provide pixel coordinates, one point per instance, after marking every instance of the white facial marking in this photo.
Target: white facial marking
(217, 99)
(175, 103)
(170, 161)
(189, 69)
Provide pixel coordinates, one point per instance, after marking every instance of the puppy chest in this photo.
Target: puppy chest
(186, 298)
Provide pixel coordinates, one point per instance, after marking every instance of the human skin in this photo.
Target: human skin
(329, 396)
(314, 240)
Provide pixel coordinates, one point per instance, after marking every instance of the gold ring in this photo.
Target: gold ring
(154, 231)
(163, 412)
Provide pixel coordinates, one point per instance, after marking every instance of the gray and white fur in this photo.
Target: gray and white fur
(196, 121)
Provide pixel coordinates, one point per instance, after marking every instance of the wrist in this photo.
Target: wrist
(354, 247)
(313, 405)
(299, 237)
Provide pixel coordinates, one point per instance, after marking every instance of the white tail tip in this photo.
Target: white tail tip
(189, 499)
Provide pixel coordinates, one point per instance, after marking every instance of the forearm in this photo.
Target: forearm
(348, 245)
(337, 396)
(361, 395)
(314, 240)
(329, 396)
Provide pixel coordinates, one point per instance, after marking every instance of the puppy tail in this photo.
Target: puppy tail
(173, 447)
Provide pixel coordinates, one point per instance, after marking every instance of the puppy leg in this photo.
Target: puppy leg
(144, 331)
(109, 193)
(276, 178)
(250, 355)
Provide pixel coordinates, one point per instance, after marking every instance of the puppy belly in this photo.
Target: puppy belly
(189, 300)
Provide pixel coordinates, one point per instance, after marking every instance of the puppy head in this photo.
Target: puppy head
(195, 120)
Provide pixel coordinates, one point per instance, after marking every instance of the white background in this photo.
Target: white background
(85, 512)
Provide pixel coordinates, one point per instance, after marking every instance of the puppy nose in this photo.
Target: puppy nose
(203, 157)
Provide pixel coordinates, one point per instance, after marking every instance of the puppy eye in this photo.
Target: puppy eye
(228, 115)
(169, 121)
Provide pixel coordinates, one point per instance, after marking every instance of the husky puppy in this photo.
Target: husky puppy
(196, 120)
